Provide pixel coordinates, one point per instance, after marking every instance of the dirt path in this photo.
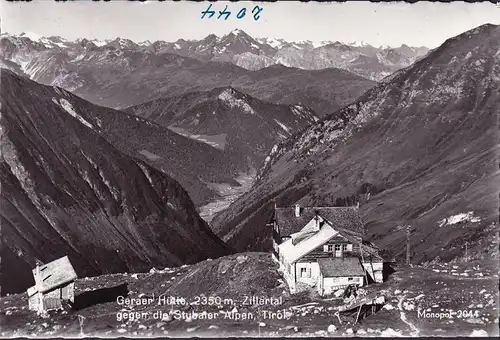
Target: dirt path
(414, 330)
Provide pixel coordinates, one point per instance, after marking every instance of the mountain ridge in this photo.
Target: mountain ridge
(222, 117)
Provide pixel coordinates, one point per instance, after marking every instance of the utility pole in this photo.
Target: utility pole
(408, 245)
(466, 257)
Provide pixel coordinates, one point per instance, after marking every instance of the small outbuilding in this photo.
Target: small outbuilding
(337, 273)
(54, 283)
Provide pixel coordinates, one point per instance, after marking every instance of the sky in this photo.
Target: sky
(393, 24)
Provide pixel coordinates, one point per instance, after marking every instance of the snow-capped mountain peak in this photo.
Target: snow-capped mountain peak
(237, 32)
(359, 44)
(30, 35)
(273, 42)
(236, 47)
(99, 42)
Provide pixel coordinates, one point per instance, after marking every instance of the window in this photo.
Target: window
(344, 247)
(350, 279)
(337, 247)
(330, 247)
(305, 272)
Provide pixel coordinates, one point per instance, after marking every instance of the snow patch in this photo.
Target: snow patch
(100, 43)
(267, 160)
(146, 173)
(462, 217)
(30, 35)
(359, 44)
(228, 96)
(49, 43)
(13, 159)
(66, 105)
(282, 136)
(78, 58)
(112, 190)
(283, 126)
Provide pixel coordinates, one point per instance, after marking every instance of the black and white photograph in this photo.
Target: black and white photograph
(249, 169)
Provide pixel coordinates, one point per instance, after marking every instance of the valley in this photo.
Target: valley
(228, 195)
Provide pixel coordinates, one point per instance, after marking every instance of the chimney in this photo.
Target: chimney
(37, 277)
(297, 210)
(316, 222)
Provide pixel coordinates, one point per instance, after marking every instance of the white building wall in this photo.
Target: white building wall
(289, 276)
(374, 270)
(312, 268)
(35, 302)
(331, 284)
(378, 271)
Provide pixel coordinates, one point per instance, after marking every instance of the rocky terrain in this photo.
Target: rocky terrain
(121, 73)
(223, 118)
(419, 149)
(67, 191)
(222, 288)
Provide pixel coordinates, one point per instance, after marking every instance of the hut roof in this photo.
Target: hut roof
(345, 219)
(336, 267)
(53, 275)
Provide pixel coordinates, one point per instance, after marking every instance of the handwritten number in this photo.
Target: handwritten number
(241, 13)
(256, 10)
(209, 12)
(224, 12)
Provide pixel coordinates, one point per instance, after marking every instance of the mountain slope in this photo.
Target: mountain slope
(419, 149)
(66, 191)
(223, 117)
(158, 146)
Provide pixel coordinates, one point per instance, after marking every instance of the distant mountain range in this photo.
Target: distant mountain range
(68, 191)
(251, 53)
(418, 149)
(121, 73)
